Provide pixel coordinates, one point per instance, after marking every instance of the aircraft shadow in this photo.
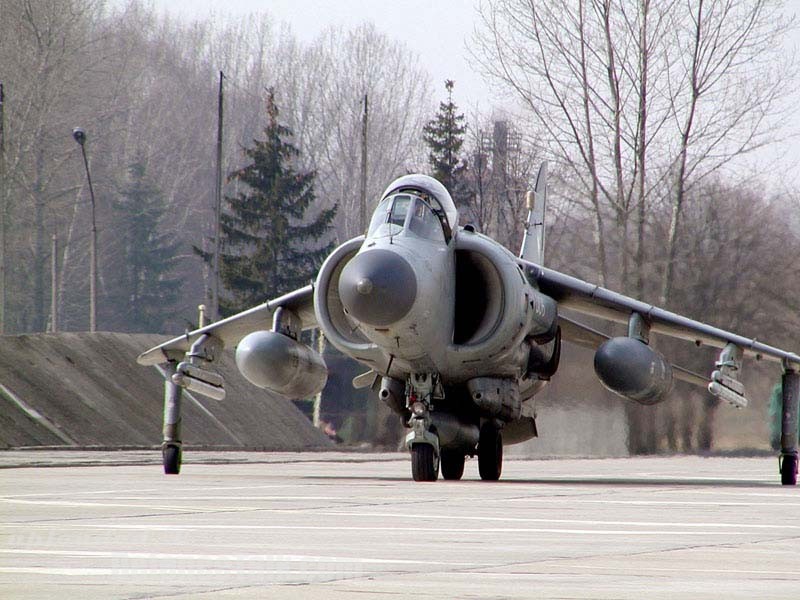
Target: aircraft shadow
(576, 481)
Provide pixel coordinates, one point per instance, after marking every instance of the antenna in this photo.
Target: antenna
(363, 222)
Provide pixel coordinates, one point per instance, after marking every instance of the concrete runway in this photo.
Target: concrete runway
(350, 526)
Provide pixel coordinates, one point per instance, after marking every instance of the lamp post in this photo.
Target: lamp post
(80, 137)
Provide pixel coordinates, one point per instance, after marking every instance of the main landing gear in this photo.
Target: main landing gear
(453, 464)
(490, 452)
(427, 458)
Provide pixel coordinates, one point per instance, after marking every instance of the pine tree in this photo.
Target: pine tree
(267, 242)
(145, 290)
(444, 135)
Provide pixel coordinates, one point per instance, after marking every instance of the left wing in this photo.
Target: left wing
(231, 330)
(589, 299)
(586, 337)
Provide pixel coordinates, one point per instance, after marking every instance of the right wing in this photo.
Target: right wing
(231, 330)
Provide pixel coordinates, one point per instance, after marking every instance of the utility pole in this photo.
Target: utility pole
(3, 212)
(214, 312)
(80, 137)
(54, 285)
(363, 223)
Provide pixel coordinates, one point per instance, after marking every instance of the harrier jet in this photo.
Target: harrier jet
(458, 334)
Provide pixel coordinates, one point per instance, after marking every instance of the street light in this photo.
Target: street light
(80, 137)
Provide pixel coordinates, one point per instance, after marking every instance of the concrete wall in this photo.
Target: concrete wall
(89, 391)
(86, 389)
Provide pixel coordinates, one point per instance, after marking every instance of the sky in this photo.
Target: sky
(439, 31)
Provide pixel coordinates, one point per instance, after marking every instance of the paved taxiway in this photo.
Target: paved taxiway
(353, 526)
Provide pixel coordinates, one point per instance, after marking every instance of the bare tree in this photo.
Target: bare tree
(352, 64)
(729, 83)
(640, 103)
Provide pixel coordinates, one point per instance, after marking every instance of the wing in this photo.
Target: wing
(231, 330)
(589, 299)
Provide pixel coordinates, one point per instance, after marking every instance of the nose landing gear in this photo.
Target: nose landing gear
(422, 440)
(424, 462)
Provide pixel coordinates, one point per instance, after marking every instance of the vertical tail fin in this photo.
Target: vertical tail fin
(533, 241)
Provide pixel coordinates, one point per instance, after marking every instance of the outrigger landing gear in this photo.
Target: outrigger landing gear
(171, 447)
(171, 456)
(187, 374)
(789, 422)
(490, 452)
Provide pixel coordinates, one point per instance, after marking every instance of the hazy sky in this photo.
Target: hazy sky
(438, 30)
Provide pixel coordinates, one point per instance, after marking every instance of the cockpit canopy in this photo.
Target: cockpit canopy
(417, 204)
(407, 212)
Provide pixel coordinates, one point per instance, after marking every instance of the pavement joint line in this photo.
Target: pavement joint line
(266, 558)
(472, 531)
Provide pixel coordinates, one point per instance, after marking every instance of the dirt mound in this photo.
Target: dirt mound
(85, 389)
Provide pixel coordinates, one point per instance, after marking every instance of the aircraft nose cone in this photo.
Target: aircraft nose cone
(378, 287)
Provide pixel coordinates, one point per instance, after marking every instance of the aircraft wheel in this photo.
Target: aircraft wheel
(424, 463)
(490, 452)
(789, 469)
(172, 460)
(452, 464)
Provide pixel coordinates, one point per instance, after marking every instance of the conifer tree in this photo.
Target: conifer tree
(146, 291)
(444, 135)
(269, 246)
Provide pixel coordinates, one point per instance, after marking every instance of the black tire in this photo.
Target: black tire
(490, 452)
(789, 470)
(424, 464)
(172, 460)
(452, 464)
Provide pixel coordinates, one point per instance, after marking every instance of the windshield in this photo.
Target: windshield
(402, 213)
(390, 216)
(423, 223)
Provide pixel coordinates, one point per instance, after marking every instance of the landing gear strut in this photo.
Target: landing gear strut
(490, 452)
(171, 446)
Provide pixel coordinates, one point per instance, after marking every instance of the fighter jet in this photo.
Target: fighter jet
(458, 334)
